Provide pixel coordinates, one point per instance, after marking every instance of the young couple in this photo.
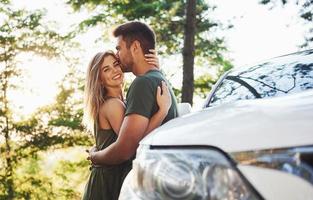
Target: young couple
(118, 126)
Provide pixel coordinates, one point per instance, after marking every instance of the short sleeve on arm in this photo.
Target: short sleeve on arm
(141, 97)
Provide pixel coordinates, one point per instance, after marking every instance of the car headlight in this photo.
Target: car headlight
(297, 161)
(187, 174)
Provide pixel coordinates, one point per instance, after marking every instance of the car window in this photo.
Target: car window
(276, 77)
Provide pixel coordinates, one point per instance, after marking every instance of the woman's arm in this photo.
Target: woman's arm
(112, 112)
(152, 58)
(164, 101)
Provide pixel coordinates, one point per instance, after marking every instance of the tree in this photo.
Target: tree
(168, 19)
(188, 52)
(20, 31)
(305, 12)
(55, 126)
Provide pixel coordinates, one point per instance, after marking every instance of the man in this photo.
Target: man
(134, 41)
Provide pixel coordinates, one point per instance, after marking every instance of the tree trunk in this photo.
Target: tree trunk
(8, 166)
(188, 52)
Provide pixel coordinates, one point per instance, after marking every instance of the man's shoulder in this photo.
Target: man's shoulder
(140, 83)
(154, 74)
(151, 78)
(140, 79)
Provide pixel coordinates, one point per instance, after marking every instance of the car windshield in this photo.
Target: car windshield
(276, 77)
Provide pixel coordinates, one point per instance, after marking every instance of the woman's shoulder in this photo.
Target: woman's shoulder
(111, 104)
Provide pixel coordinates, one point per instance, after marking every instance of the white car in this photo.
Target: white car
(253, 140)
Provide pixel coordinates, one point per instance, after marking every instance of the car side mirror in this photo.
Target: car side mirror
(183, 108)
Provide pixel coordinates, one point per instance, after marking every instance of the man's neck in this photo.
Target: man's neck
(142, 68)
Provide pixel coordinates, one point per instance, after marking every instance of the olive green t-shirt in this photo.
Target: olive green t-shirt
(141, 96)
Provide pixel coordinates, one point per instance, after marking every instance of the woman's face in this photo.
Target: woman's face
(111, 74)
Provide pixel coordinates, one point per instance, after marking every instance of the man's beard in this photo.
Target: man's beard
(126, 68)
(128, 65)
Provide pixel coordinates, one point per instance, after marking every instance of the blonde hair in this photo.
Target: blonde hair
(94, 93)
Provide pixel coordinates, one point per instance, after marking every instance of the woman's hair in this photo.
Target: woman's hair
(94, 93)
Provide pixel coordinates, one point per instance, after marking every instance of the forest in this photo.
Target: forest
(43, 151)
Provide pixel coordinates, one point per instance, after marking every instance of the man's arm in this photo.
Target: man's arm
(164, 102)
(131, 132)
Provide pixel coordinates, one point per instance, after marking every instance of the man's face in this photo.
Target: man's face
(124, 55)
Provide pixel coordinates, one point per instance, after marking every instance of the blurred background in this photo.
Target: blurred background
(45, 47)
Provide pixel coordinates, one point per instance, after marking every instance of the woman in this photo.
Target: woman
(103, 115)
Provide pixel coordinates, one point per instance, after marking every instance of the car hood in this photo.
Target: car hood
(243, 125)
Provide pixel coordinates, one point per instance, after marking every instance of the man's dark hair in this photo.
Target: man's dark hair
(135, 30)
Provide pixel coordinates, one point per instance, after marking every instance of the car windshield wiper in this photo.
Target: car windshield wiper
(245, 84)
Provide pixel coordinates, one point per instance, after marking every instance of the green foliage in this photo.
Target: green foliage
(305, 8)
(62, 119)
(23, 31)
(68, 175)
(32, 183)
(41, 132)
(203, 85)
(38, 179)
(167, 18)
